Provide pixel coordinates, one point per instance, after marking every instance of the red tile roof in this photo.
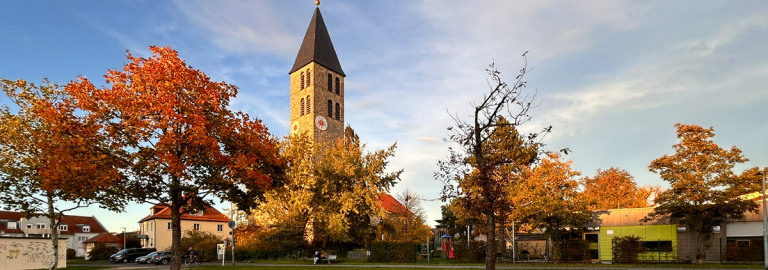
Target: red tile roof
(392, 205)
(72, 223)
(11, 216)
(164, 212)
(104, 237)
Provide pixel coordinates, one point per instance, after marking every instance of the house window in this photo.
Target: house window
(40, 225)
(330, 108)
(309, 80)
(82, 238)
(46, 235)
(169, 226)
(338, 85)
(302, 107)
(63, 227)
(86, 228)
(11, 225)
(220, 228)
(338, 112)
(309, 105)
(330, 83)
(29, 226)
(151, 242)
(196, 226)
(302, 81)
(742, 243)
(657, 245)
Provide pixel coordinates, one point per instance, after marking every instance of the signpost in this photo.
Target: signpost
(222, 250)
(232, 226)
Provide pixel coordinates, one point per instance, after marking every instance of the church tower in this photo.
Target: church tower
(317, 86)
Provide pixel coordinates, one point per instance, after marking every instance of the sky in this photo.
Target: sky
(611, 77)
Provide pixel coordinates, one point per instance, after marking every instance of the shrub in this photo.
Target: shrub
(392, 252)
(202, 242)
(71, 253)
(102, 252)
(627, 248)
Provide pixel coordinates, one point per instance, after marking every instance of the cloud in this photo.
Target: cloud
(244, 26)
(427, 139)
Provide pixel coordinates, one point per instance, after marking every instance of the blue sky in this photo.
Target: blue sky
(613, 77)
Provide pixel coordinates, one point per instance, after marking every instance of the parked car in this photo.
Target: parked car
(145, 258)
(130, 254)
(161, 257)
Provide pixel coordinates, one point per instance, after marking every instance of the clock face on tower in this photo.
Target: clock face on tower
(295, 127)
(321, 123)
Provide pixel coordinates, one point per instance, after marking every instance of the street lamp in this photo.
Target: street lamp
(123, 236)
(765, 226)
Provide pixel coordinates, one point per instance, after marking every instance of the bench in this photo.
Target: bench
(329, 258)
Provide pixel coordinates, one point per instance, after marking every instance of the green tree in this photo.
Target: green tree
(46, 158)
(477, 173)
(170, 128)
(331, 195)
(704, 190)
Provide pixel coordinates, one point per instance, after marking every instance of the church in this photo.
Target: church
(317, 92)
(317, 86)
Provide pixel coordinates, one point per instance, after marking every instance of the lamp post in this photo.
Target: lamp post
(123, 236)
(765, 227)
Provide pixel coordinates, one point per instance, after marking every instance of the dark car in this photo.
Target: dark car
(161, 257)
(130, 254)
(145, 258)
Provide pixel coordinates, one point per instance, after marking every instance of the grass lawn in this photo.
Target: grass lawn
(85, 267)
(546, 266)
(83, 261)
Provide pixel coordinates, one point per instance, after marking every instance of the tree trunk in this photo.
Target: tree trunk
(54, 233)
(175, 227)
(490, 246)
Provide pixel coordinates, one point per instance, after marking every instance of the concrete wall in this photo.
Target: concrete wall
(30, 253)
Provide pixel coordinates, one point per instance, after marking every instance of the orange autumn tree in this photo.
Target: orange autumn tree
(170, 127)
(46, 158)
(616, 188)
(548, 198)
(704, 191)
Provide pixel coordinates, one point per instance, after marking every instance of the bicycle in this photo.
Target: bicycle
(193, 260)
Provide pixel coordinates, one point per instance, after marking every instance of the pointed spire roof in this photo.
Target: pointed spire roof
(317, 46)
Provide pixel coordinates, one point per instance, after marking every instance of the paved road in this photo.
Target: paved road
(163, 267)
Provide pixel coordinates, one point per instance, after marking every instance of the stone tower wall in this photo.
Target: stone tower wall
(319, 95)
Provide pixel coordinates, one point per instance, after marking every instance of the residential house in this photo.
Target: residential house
(155, 229)
(76, 229)
(105, 238)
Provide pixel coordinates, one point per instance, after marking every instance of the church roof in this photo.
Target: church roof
(317, 47)
(392, 205)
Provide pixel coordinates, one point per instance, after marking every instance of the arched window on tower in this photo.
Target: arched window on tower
(302, 107)
(338, 112)
(338, 85)
(302, 81)
(309, 105)
(330, 108)
(330, 83)
(309, 78)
